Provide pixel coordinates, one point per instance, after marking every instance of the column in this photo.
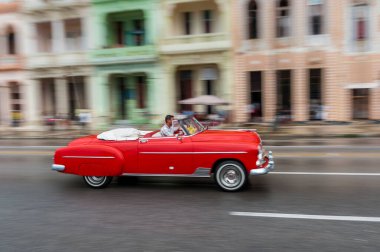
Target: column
(58, 34)
(169, 90)
(153, 92)
(269, 95)
(61, 96)
(299, 94)
(32, 102)
(99, 36)
(374, 103)
(239, 114)
(4, 105)
(99, 100)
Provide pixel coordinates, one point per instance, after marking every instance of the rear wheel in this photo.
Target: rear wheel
(97, 181)
(231, 176)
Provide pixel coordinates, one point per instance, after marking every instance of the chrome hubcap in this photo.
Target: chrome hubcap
(94, 180)
(230, 177)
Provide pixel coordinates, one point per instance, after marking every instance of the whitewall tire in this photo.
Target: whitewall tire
(230, 176)
(97, 181)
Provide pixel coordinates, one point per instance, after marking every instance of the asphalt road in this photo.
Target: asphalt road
(313, 203)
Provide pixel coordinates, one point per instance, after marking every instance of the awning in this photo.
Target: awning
(204, 100)
(362, 85)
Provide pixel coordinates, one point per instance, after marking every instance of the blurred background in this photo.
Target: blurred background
(279, 66)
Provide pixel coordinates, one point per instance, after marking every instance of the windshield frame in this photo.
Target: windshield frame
(182, 125)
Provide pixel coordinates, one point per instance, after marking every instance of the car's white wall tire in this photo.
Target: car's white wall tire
(230, 176)
(97, 181)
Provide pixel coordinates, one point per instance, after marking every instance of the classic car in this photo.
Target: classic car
(228, 156)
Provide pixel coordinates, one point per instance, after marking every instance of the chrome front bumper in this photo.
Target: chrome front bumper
(58, 167)
(264, 170)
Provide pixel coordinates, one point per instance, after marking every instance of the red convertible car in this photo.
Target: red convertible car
(229, 156)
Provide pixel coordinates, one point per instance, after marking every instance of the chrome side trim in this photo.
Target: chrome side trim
(57, 167)
(199, 173)
(264, 170)
(99, 157)
(202, 172)
(196, 152)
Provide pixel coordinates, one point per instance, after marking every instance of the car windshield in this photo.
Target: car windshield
(191, 126)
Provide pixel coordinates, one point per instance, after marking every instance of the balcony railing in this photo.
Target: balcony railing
(195, 43)
(9, 62)
(53, 4)
(195, 38)
(44, 60)
(124, 54)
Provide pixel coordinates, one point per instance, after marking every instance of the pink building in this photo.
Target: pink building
(12, 76)
(306, 59)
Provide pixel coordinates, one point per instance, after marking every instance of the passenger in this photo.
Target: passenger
(168, 129)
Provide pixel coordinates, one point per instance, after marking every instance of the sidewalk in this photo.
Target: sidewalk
(288, 131)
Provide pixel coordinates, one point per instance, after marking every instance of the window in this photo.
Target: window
(185, 88)
(207, 21)
(73, 34)
(315, 83)
(283, 18)
(128, 30)
(44, 37)
(15, 97)
(360, 22)
(119, 29)
(283, 91)
(141, 91)
(11, 41)
(138, 32)
(316, 17)
(187, 22)
(360, 100)
(255, 107)
(252, 20)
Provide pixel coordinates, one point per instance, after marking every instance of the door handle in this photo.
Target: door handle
(143, 140)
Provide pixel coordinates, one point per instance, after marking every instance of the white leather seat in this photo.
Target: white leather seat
(158, 134)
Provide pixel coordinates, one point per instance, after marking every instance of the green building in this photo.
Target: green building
(125, 60)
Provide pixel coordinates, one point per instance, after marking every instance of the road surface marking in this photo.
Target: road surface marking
(307, 216)
(329, 173)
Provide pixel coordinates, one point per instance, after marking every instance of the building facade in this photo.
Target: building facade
(307, 60)
(195, 52)
(56, 44)
(135, 60)
(125, 58)
(13, 84)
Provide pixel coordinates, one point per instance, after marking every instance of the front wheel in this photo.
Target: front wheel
(97, 181)
(231, 176)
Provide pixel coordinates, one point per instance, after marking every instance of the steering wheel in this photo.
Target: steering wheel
(180, 132)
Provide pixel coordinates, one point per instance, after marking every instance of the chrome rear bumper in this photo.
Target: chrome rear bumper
(57, 167)
(264, 170)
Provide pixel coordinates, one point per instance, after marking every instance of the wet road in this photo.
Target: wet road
(318, 192)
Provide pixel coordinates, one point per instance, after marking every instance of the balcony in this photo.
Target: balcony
(133, 54)
(10, 62)
(41, 5)
(46, 60)
(195, 43)
(9, 7)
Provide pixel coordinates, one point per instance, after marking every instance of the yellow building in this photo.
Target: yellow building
(195, 52)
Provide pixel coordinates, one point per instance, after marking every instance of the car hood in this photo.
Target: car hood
(83, 140)
(227, 135)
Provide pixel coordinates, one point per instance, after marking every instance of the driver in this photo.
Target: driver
(168, 129)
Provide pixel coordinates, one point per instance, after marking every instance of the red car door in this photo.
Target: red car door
(165, 155)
